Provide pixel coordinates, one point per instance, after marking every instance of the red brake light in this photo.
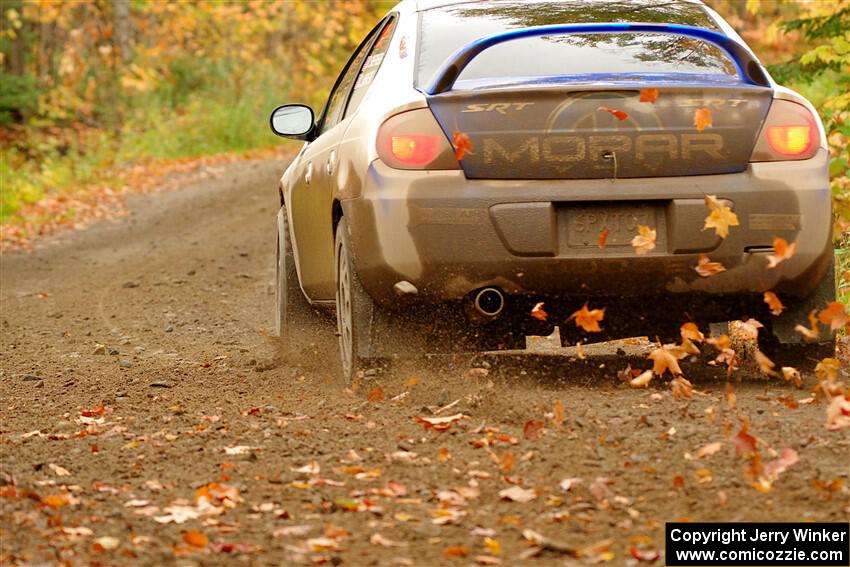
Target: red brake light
(415, 149)
(789, 133)
(414, 140)
(791, 141)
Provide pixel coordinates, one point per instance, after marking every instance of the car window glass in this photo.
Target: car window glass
(370, 67)
(336, 102)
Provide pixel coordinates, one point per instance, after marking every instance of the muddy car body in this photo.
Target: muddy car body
(419, 251)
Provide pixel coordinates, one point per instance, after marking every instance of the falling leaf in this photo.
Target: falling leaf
(691, 332)
(376, 394)
(749, 329)
(195, 539)
(678, 482)
(702, 118)
(773, 303)
(835, 315)
(705, 267)
(619, 114)
(730, 396)
(744, 442)
(838, 413)
(518, 494)
(558, 414)
(765, 364)
(708, 450)
(443, 455)
(538, 313)
(681, 388)
(506, 462)
(827, 369)
(599, 487)
(533, 429)
(774, 468)
(642, 380)
(781, 251)
(603, 237)
(812, 332)
(703, 476)
(720, 218)
(665, 360)
(791, 374)
(644, 241)
(588, 319)
(648, 95)
(320, 544)
(462, 144)
(59, 471)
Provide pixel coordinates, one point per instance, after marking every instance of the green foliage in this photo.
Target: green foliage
(18, 97)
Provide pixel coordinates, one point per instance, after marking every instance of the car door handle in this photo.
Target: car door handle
(308, 175)
(330, 165)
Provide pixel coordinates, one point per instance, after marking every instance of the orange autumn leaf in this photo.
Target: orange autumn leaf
(588, 319)
(765, 364)
(681, 388)
(533, 429)
(462, 144)
(642, 380)
(702, 118)
(781, 251)
(706, 267)
(835, 315)
(376, 394)
(603, 237)
(443, 455)
(720, 218)
(538, 313)
(648, 95)
(644, 241)
(690, 331)
(773, 302)
(195, 539)
(666, 359)
(456, 551)
(619, 114)
(558, 414)
(812, 332)
(506, 462)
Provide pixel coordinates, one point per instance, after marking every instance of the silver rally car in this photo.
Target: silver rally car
(477, 158)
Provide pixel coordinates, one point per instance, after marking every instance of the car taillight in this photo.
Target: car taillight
(789, 133)
(414, 140)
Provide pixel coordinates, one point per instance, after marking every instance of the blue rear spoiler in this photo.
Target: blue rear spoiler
(749, 69)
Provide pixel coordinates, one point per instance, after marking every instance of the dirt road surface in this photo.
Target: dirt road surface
(147, 419)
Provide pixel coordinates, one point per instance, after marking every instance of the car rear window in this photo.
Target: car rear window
(444, 30)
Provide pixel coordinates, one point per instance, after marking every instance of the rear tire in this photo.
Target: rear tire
(355, 310)
(295, 318)
(787, 347)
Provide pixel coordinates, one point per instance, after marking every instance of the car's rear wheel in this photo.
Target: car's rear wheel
(786, 346)
(355, 309)
(295, 318)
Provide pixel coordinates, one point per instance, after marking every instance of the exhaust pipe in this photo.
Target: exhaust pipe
(488, 302)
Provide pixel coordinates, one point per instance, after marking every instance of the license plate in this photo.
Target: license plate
(584, 224)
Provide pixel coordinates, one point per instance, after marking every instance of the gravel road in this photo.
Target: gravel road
(146, 418)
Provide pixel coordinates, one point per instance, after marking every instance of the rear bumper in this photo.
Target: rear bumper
(448, 235)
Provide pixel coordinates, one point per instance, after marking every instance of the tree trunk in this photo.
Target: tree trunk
(121, 29)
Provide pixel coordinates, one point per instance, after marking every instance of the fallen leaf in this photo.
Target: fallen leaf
(644, 241)
(603, 237)
(538, 313)
(838, 413)
(835, 315)
(178, 514)
(558, 414)
(238, 450)
(487, 560)
(599, 487)
(378, 539)
(678, 481)
(706, 268)
(506, 462)
(107, 543)
(588, 319)
(827, 369)
(518, 494)
(376, 394)
(744, 442)
(443, 455)
(493, 546)
(703, 476)
(533, 429)
(648, 95)
(567, 483)
(781, 251)
(319, 544)
(59, 471)
(691, 332)
(708, 450)
(702, 118)
(731, 397)
(773, 303)
(765, 364)
(720, 218)
(456, 551)
(195, 539)
(439, 423)
(619, 114)
(462, 144)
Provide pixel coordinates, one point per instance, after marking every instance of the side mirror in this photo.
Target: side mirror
(292, 121)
